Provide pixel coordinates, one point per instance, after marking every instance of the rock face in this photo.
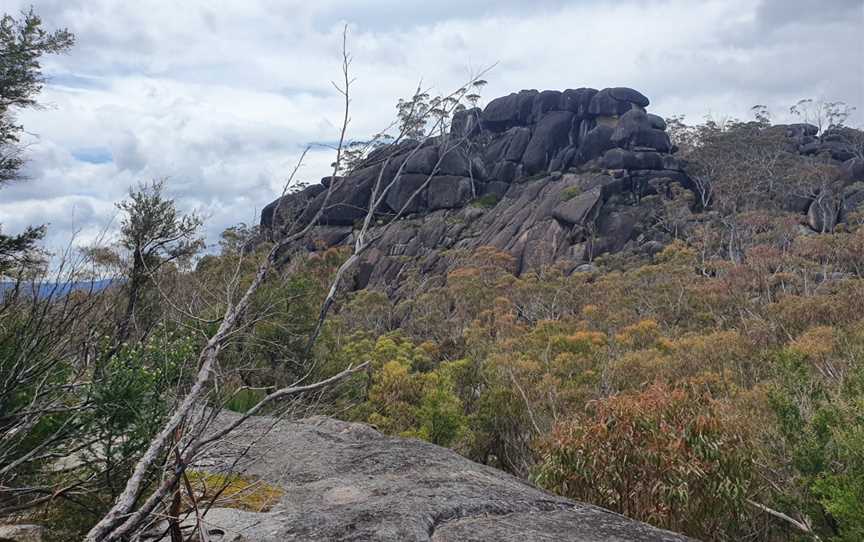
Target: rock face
(552, 177)
(524, 133)
(514, 151)
(345, 481)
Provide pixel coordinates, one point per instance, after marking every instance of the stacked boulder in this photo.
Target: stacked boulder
(843, 147)
(522, 135)
(531, 132)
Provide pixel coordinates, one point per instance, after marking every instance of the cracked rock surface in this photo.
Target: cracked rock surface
(346, 481)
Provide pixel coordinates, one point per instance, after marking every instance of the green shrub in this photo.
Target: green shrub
(244, 399)
(821, 426)
(486, 201)
(570, 192)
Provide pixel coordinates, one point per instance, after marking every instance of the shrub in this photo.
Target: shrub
(486, 201)
(570, 192)
(669, 456)
(820, 420)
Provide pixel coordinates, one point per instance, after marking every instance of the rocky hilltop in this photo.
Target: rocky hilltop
(341, 481)
(552, 177)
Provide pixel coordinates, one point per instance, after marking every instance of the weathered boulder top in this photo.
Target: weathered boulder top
(346, 481)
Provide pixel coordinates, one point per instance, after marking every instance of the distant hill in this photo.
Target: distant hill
(46, 289)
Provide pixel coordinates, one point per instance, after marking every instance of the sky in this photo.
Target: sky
(220, 98)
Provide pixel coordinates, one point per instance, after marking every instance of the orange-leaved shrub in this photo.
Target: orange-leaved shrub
(671, 456)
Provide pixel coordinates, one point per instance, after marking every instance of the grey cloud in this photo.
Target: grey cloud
(778, 13)
(385, 15)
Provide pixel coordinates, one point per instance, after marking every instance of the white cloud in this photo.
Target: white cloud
(221, 98)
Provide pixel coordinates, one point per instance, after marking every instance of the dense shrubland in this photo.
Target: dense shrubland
(683, 399)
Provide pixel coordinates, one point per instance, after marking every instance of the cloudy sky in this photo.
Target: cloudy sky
(221, 97)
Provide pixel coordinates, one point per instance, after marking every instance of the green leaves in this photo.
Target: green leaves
(821, 425)
(22, 42)
(129, 396)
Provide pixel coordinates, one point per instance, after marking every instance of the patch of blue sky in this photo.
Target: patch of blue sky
(71, 80)
(95, 155)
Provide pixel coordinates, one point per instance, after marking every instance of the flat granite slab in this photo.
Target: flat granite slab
(346, 481)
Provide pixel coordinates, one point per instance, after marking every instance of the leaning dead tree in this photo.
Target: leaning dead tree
(188, 429)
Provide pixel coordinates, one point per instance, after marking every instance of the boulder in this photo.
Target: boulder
(839, 150)
(454, 161)
(625, 94)
(478, 168)
(837, 143)
(505, 172)
(615, 229)
(401, 192)
(496, 149)
(802, 129)
(290, 206)
(567, 157)
(448, 192)
(346, 481)
(551, 134)
(611, 102)
(518, 143)
(525, 103)
(501, 113)
(671, 162)
(652, 138)
(643, 177)
(852, 170)
(656, 121)
(423, 161)
(629, 125)
(823, 214)
(814, 147)
(635, 130)
(466, 122)
(508, 111)
(508, 146)
(648, 160)
(840, 134)
(597, 141)
(853, 200)
(383, 152)
(617, 159)
(624, 159)
(563, 158)
(349, 199)
(579, 209)
(548, 100)
(577, 100)
(326, 236)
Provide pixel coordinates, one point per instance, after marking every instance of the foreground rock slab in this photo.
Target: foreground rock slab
(21, 533)
(346, 481)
